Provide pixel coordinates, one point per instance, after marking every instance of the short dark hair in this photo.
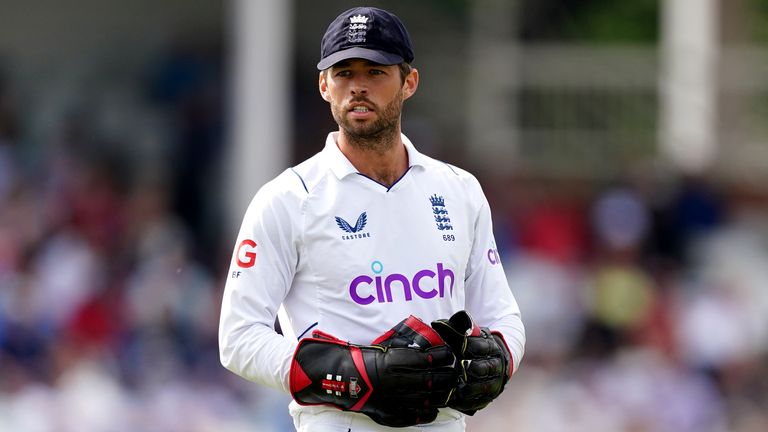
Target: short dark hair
(405, 69)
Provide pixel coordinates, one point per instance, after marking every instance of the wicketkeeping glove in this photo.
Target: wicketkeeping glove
(486, 362)
(400, 380)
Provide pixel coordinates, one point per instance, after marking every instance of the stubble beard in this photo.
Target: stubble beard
(380, 135)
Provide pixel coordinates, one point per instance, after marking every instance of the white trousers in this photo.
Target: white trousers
(328, 419)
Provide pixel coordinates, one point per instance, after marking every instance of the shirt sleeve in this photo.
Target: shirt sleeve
(488, 297)
(263, 264)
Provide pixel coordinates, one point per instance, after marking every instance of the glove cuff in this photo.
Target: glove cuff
(503, 344)
(330, 372)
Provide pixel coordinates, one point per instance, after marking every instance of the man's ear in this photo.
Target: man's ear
(322, 85)
(411, 83)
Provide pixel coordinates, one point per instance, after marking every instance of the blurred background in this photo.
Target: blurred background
(623, 147)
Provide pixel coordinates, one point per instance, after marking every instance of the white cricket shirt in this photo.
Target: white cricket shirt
(351, 257)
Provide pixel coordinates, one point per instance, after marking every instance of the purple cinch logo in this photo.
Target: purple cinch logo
(366, 289)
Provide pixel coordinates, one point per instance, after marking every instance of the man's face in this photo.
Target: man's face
(366, 98)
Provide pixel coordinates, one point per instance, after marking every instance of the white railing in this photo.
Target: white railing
(593, 111)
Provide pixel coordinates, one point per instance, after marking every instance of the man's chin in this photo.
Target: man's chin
(362, 130)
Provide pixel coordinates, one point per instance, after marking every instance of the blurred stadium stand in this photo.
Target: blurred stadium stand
(642, 284)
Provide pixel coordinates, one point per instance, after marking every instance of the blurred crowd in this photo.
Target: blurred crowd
(645, 307)
(644, 300)
(111, 275)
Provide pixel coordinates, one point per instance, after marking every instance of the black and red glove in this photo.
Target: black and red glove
(486, 362)
(400, 380)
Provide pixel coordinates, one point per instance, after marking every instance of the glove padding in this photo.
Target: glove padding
(400, 380)
(486, 362)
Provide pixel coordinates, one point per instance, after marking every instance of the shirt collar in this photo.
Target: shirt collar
(342, 167)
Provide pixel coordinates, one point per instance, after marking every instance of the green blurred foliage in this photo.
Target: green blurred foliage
(620, 21)
(758, 23)
(598, 21)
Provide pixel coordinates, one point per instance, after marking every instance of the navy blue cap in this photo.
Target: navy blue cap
(368, 33)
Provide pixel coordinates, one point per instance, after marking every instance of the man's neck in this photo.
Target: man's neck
(383, 158)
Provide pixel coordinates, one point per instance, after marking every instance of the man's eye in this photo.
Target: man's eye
(376, 72)
(343, 73)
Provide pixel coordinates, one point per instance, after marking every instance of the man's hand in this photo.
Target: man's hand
(400, 380)
(486, 362)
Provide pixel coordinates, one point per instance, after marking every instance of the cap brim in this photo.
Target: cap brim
(380, 57)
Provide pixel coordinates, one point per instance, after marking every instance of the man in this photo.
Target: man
(363, 244)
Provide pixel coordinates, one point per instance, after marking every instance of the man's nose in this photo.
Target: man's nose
(359, 87)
